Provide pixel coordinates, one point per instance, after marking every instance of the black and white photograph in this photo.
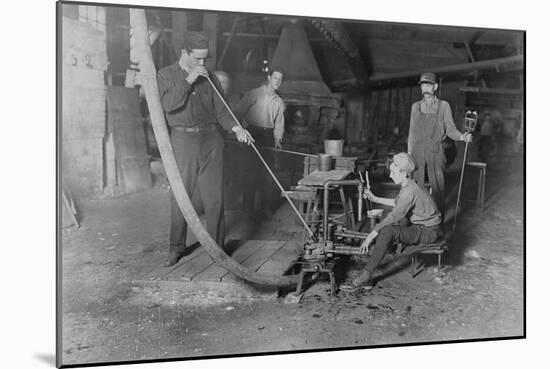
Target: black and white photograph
(280, 183)
(240, 183)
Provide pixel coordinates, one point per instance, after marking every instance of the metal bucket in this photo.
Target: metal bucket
(334, 147)
(325, 162)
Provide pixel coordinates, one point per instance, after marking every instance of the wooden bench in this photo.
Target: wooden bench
(436, 248)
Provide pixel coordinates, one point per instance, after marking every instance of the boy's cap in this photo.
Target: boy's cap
(404, 162)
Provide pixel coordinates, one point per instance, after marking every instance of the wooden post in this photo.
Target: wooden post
(228, 41)
(110, 162)
(210, 28)
(179, 27)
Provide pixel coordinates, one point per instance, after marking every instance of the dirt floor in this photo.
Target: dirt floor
(109, 318)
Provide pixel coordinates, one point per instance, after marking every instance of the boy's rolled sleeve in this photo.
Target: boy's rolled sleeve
(403, 203)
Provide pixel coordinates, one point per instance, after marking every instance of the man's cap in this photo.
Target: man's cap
(404, 162)
(275, 68)
(195, 40)
(428, 77)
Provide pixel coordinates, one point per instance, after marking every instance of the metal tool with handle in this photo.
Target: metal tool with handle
(366, 185)
(470, 121)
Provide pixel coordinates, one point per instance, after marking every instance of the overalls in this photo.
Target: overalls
(427, 150)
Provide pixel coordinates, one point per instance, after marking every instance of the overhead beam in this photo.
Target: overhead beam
(436, 34)
(261, 35)
(473, 59)
(475, 37)
(478, 45)
(456, 68)
(486, 90)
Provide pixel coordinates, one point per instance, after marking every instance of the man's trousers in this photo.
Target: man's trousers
(411, 234)
(199, 156)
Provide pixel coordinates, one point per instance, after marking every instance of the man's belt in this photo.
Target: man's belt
(196, 129)
(429, 226)
(257, 128)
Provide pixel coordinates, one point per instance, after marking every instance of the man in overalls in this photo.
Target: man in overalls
(431, 122)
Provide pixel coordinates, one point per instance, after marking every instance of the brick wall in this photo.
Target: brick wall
(82, 126)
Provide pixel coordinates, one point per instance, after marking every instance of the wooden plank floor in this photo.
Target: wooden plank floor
(257, 259)
(269, 257)
(216, 272)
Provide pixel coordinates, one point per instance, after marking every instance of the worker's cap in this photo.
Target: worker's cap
(275, 68)
(428, 77)
(195, 40)
(404, 162)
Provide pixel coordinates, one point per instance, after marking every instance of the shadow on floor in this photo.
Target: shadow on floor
(46, 358)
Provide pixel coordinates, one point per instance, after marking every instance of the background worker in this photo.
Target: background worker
(431, 121)
(487, 138)
(262, 111)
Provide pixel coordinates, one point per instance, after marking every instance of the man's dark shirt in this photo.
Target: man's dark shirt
(194, 104)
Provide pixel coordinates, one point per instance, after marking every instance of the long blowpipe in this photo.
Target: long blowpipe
(263, 161)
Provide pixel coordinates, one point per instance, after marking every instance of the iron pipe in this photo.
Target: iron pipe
(465, 67)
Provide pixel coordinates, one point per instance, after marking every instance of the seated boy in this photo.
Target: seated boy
(412, 203)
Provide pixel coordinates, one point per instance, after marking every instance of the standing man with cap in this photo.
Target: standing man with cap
(195, 114)
(262, 111)
(412, 204)
(432, 121)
